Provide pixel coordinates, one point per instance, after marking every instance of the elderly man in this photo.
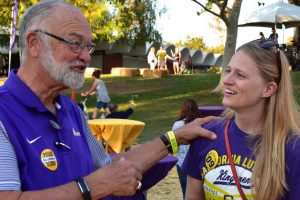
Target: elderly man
(46, 148)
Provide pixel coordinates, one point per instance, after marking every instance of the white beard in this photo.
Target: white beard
(61, 72)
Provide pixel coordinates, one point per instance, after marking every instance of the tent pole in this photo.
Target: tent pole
(283, 28)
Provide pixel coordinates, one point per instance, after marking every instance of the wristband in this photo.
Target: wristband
(167, 143)
(173, 141)
(84, 188)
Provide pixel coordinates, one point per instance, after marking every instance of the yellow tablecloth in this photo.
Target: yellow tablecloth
(118, 134)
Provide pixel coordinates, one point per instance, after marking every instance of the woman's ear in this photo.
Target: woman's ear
(270, 89)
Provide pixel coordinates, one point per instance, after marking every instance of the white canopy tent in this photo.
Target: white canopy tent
(276, 14)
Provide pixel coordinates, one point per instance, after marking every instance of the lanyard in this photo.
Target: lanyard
(237, 182)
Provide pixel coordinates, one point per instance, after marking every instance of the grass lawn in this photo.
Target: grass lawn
(158, 100)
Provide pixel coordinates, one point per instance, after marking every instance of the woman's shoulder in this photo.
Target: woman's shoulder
(292, 150)
(293, 145)
(216, 125)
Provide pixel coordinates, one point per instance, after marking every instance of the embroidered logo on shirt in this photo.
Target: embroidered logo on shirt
(34, 140)
(48, 159)
(76, 133)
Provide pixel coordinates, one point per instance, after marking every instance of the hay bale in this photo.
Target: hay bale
(155, 73)
(116, 71)
(89, 71)
(142, 70)
(129, 72)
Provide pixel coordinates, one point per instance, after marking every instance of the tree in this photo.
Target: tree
(191, 43)
(132, 21)
(219, 28)
(230, 18)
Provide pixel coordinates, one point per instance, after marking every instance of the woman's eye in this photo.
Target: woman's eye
(227, 71)
(240, 75)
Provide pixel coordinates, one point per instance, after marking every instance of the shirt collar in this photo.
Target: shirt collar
(24, 94)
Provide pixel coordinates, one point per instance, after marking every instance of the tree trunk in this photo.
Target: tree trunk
(230, 44)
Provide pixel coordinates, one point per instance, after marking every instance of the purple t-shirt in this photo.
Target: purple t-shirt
(207, 160)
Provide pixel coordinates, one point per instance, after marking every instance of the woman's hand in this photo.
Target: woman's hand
(84, 94)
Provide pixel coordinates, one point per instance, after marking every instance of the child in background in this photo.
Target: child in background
(188, 112)
(100, 90)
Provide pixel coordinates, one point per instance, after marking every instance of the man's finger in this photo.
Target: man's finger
(208, 134)
(208, 119)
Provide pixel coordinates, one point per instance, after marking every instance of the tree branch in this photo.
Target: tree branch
(206, 9)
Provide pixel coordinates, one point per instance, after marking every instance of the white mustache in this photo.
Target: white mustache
(77, 63)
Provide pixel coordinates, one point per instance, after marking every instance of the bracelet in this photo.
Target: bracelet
(173, 141)
(167, 143)
(84, 188)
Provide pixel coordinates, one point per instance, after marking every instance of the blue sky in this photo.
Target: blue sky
(181, 20)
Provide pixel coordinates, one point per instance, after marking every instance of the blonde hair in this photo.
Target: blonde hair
(281, 121)
(152, 49)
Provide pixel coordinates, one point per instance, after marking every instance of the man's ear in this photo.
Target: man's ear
(33, 44)
(270, 89)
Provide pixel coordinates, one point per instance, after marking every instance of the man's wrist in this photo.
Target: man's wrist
(173, 141)
(84, 188)
(170, 142)
(166, 143)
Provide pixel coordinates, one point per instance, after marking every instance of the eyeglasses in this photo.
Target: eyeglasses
(75, 46)
(267, 44)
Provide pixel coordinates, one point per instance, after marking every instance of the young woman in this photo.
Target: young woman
(100, 90)
(261, 128)
(152, 60)
(188, 112)
(176, 60)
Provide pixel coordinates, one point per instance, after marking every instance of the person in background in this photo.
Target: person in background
(83, 107)
(176, 60)
(2, 64)
(114, 113)
(161, 58)
(100, 90)
(152, 61)
(6, 63)
(47, 149)
(274, 35)
(256, 154)
(188, 112)
(262, 36)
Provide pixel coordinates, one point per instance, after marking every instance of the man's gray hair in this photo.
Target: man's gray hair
(36, 17)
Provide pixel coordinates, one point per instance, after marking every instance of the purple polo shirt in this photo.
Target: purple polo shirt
(41, 163)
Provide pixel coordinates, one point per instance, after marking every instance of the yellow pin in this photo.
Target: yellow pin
(211, 159)
(48, 159)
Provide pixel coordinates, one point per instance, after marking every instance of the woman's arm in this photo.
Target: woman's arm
(92, 90)
(194, 189)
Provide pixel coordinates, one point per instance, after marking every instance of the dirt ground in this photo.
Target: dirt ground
(166, 189)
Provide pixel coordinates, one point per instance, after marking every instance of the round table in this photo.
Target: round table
(118, 134)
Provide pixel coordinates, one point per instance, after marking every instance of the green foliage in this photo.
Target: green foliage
(197, 43)
(296, 2)
(215, 70)
(217, 49)
(111, 21)
(194, 43)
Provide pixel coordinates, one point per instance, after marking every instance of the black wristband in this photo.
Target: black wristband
(84, 188)
(167, 143)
